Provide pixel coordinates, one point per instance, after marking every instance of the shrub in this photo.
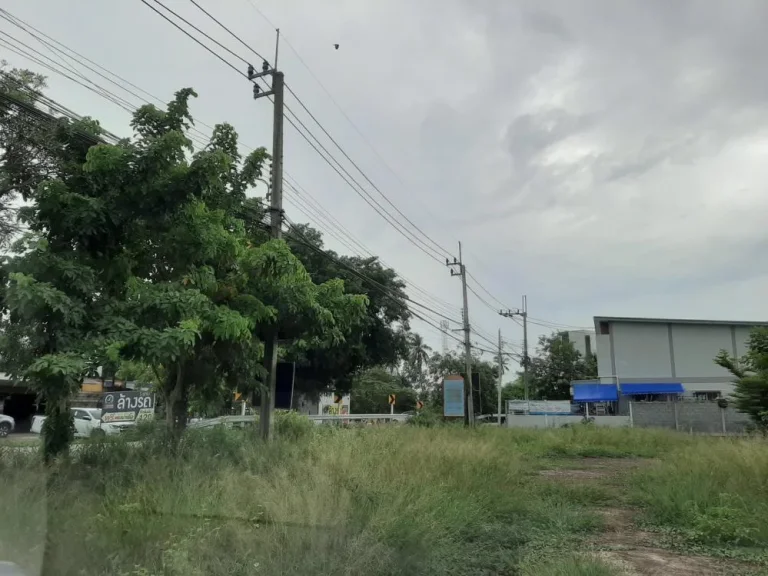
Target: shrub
(291, 425)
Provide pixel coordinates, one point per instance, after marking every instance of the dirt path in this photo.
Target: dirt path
(632, 551)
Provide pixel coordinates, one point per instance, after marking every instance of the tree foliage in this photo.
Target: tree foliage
(378, 340)
(146, 252)
(485, 390)
(371, 390)
(751, 377)
(556, 364)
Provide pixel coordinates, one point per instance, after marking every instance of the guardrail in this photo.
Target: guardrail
(317, 418)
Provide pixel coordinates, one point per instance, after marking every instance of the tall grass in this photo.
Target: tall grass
(716, 492)
(384, 501)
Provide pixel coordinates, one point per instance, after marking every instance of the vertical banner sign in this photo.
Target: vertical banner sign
(453, 396)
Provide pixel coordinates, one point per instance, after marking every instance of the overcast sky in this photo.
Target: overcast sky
(604, 158)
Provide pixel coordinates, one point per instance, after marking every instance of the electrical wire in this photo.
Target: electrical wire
(227, 29)
(351, 269)
(441, 252)
(152, 96)
(284, 38)
(439, 303)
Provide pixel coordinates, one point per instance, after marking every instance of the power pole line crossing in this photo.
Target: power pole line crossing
(522, 312)
(267, 405)
(467, 335)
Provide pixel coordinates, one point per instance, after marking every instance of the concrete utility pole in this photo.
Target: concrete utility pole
(467, 343)
(523, 312)
(501, 373)
(267, 407)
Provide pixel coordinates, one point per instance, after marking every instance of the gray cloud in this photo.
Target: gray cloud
(602, 157)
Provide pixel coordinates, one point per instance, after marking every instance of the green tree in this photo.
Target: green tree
(371, 389)
(141, 251)
(26, 135)
(484, 393)
(751, 377)
(556, 364)
(379, 339)
(514, 390)
(416, 361)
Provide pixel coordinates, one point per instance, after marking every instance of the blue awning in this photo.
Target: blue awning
(595, 393)
(651, 388)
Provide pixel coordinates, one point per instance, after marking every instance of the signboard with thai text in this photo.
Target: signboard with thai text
(127, 406)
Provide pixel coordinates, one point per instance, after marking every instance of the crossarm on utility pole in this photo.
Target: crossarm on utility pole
(522, 312)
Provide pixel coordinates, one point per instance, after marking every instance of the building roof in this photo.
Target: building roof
(615, 319)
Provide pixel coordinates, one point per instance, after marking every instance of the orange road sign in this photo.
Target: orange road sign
(391, 399)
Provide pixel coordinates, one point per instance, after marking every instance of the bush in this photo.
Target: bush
(290, 425)
(426, 418)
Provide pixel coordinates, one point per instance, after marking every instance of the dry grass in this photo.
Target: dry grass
(388, 501)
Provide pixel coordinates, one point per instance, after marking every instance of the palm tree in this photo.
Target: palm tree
(418, 354)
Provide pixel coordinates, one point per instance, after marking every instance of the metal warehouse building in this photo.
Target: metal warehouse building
(658, 356)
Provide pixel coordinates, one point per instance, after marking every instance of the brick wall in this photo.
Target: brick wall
(700, 417)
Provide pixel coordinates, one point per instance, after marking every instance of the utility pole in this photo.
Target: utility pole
(523, 312)
(501, 373)
(467, 343)
(267, 406)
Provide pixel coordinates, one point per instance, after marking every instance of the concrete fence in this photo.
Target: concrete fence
(560, 420)
(694, 417)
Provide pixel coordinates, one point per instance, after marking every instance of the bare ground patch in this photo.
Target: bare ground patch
(596, 468)
(632, 551)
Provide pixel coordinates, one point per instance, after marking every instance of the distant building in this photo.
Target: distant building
(583, 341)
(658, 358)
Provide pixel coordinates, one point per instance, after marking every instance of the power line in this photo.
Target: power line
(487, 292)
(331, 138)
(202, 144)
(378, 285)
(350, 121)
(235, 36)
(315, 203)
(401, 229)
(52, 67)
(445, 252)
(440, 250)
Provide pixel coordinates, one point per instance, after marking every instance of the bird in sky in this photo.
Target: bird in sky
(336, 46)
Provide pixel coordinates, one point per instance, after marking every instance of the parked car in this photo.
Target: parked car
(7, 424)
(87, 423)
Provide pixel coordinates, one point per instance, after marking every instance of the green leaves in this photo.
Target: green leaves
(145, 254)
(57, 375)
(29, 298)
(751, 373)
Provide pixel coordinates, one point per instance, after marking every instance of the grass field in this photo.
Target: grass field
(394, 501)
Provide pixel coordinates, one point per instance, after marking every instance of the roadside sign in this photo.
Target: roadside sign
(419, 405)
(453, 396)
(391, 399)
(127, 406)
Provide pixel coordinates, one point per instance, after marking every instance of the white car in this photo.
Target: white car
(87, 423)
(7, 424)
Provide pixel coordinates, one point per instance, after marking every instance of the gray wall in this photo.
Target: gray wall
(558, 421)
(671, 352)
(698, 417)
(640, 351)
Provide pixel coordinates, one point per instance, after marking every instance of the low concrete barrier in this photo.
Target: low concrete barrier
(559, 421)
